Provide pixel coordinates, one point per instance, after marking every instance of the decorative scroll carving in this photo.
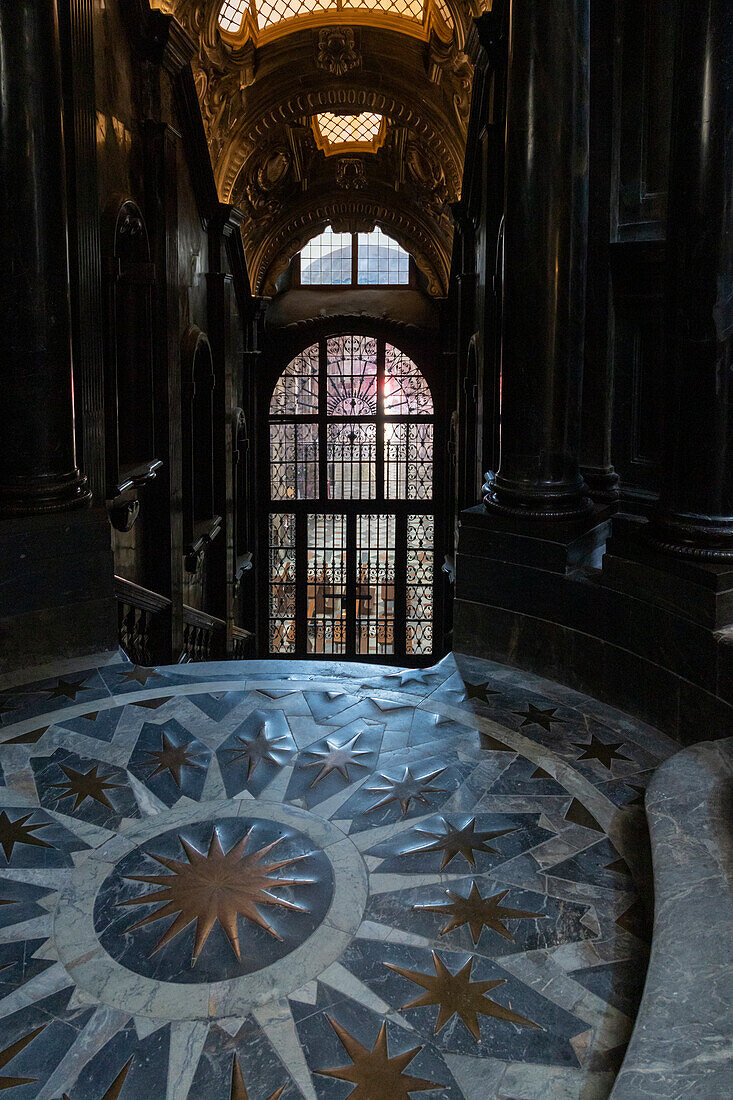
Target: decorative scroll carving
(350, 174)
(336, 51)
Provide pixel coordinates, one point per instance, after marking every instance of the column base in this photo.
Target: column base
(41, 495)
(603, 484)
(550, 503)
(702, 538)
(639, 565)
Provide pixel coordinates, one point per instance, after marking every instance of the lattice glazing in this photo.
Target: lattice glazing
(326, 260)
(342, 129)
(381, 260)
(232, 15)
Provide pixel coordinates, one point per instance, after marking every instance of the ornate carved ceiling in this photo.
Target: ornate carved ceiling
(260, 90)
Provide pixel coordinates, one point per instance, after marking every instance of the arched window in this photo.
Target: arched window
(270, 18)
(350, 524)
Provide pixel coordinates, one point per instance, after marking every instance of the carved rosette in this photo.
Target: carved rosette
(336, 51)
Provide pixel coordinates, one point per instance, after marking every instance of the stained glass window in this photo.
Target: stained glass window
(282, 583)
(326, 584)
(420, 568)
(351, 376)
(406, 393)
(351, 459)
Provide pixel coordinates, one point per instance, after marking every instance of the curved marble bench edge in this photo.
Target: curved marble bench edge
(682, 1042)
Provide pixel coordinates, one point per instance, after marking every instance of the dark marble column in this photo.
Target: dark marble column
(38, 469)
(695, 513)
(595, 438)
(546, 215)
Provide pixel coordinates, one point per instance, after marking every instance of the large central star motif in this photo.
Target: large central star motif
(375, 1074)
(457, 995)
(406, 790)
(259, 749)
(85, 785)
(171, 758)
(336, 758)
(476, 912)
(216, 886)
(454, 842)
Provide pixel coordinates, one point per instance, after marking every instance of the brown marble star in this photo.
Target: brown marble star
(172, 758)
(478, 912)
(601, 751)
(17, 832)
(139, 674)
(336, 758)
(406, 790)
(376, 1075)
(258, 750)
(535, 716)
(463, 842)
(239, 1091)
(83, 785)
(216, 886)
(10, 1052)
(66, 689)
(457, 995)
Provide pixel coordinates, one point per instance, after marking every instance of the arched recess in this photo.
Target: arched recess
(353, 460)
(198, 381)
(130, 436)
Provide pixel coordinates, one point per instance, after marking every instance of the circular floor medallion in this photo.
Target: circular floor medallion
(213, 900)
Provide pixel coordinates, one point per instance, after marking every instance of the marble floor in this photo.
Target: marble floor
(278, 880)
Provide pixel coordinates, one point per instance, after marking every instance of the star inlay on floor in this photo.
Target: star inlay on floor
(317, 881)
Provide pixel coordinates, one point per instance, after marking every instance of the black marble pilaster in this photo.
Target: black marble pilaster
(545, 236)
(695, 513)
(39, 472)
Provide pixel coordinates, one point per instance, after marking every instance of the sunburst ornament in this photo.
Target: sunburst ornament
(217, 886)
(477, 912)
(457, 995)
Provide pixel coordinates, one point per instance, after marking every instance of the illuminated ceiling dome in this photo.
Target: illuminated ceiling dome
(262, 19)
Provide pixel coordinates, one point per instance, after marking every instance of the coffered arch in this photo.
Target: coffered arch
(261, 93)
